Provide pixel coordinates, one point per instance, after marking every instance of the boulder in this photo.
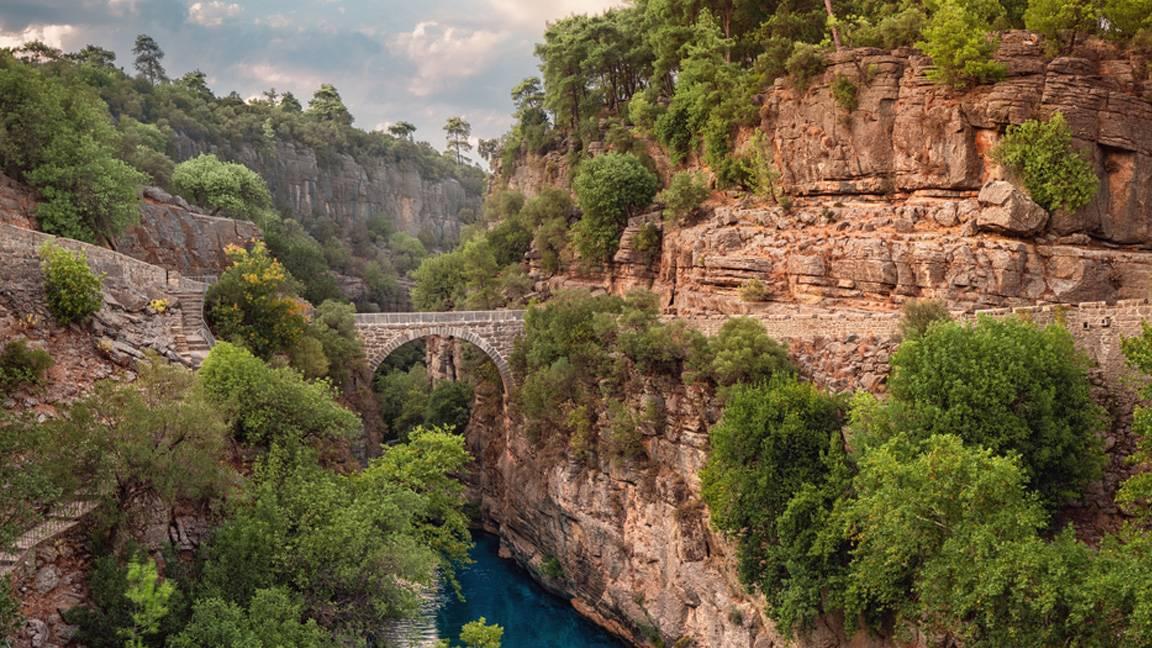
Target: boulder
(1008, 210)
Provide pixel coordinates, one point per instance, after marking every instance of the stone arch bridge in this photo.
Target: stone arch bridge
(494, 332)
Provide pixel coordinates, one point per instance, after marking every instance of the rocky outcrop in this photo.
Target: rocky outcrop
(627, 540)
(174, 235)
(1008, 210)
(349, 190)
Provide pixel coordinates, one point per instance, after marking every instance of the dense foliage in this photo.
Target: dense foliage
(57, 136)
(72, 289)
(21, 366)
(225, 188)
(1041, 154)
(610, 188)
(1010, 387)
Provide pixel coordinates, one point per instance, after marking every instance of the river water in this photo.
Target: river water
(503, 593)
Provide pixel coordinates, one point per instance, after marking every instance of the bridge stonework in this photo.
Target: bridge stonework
(494, 332)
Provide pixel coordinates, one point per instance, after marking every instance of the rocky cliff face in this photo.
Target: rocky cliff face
(349, 190)
(171, 234)
(627, 540)
(896, 199)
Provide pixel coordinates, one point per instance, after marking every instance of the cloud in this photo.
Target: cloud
(443, 53)
(123, 7)
(52, 35)
(533, 14)
(212, 13)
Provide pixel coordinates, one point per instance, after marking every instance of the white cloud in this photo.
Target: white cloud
(212, 13)
(51, 35)
(442, 53)
(532, 13)
(269, 76)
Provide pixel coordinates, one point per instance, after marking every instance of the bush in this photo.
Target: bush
(22, 365)
(742, 352)
(449, 406)
(755, 290)
(771, 443)
(919, 315)
(844, 92)
(685, 192)
(72, 289)
(254, 303)
(266, 405)
(1041, 154)
(960, 42)
(226, 188)
(1010, 387)
(805, 63)
(610, 188)
(647, 242)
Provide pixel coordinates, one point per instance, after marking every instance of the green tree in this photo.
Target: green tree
(1061, 21)
(265, 404)
(271, 620)
(921, 513)
(958, 38)
(327, 106)
(21, 365)
(148, 59)
(1135, 494)
(1041, 154)
(254, 303)
(441, 283)
(449, 406)
(226, 188)
(403, 130)
(919, 315)
(685, 192)
(742, 352)
(1008, 386)
(458, 130)
(150, 598)
(481, 634)
(771, 442)
(72, 289)
(610, 188)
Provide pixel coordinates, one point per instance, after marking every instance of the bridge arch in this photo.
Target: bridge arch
(493, 332)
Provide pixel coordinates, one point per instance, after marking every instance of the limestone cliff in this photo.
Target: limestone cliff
(349, 190)
(895, 199)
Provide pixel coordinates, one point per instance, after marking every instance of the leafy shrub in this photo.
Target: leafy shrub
(755, 290)
(919, 315)
(10, 617)
(449, 405)
(958, 38)
(610, 188)
(72, 289)
(771, 443)
(1041, 154)
(266, 404)
(1008, 386)
(22, 365)
(58, 137)
(900, 29)
(844, 93)
(226, 188)
(685, 192)
(805, 63)
(742, 352)
(647, 242)
(254, 303)
(272, 618)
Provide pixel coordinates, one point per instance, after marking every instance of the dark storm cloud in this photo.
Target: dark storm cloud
(418, 61)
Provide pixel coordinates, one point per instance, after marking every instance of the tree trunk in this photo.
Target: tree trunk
(832, 23)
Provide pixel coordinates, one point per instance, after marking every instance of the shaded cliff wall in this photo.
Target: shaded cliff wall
(349, 190)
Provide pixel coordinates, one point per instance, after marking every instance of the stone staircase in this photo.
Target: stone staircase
(59, 521)
(193, 339)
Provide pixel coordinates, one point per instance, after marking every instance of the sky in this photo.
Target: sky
(414, 60)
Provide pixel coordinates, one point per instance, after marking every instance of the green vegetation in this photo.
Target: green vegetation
(844, 92)
(72, 289)
(959, 38)
(683, 196)
(1010, 387)
(1042, 156)
(266, 404)
(57, 136)
(408, 400)
(921, 314)
(21, 366)
(610, 188)
(930, 509)
(254, 304)
(478, 634)
(755, 290)
(742, 352)
(226, 188)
